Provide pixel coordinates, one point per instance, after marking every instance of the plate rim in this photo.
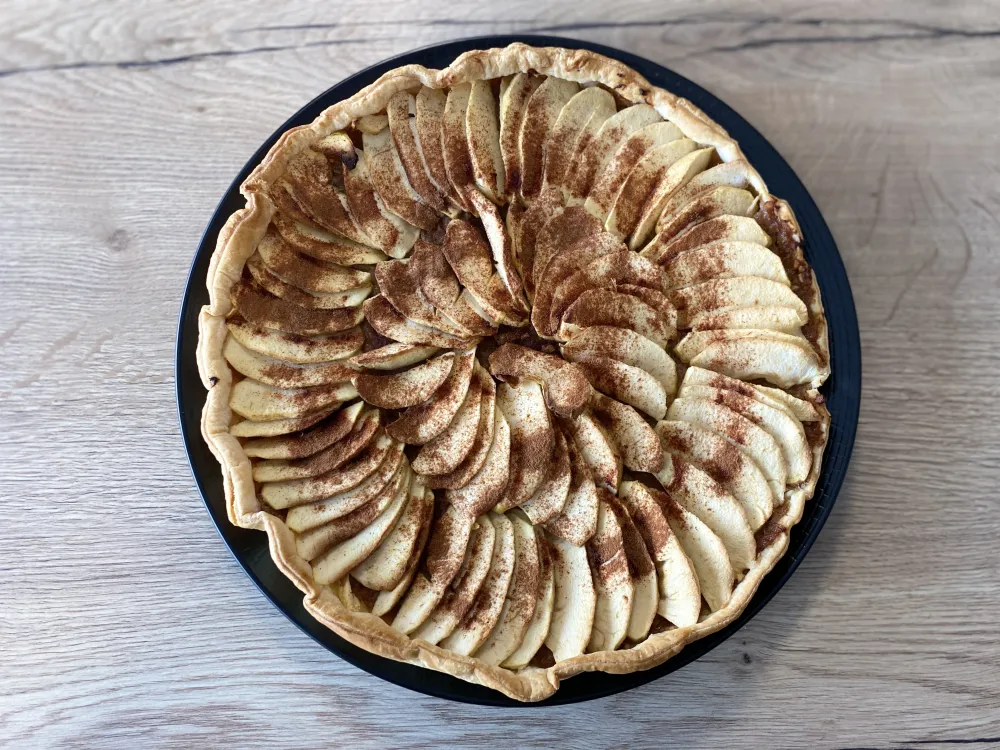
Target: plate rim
(588, 686)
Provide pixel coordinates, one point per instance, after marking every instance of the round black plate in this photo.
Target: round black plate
(842, 390)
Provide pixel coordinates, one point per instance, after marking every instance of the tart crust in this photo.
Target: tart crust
(238, 241)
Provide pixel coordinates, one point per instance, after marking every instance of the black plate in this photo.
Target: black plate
(842, 390)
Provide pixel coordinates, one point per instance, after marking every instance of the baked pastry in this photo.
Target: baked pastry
(517, 365)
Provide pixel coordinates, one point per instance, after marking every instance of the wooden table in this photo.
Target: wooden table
(125, 622)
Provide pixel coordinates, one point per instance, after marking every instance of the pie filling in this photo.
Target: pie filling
(527, 371)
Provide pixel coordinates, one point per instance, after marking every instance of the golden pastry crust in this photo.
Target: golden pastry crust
(238, 241)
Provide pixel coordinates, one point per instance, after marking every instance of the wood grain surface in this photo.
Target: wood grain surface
(125, 622)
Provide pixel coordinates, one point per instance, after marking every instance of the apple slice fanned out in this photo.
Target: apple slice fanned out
(575, 601)
(532, 440)
(576, 126)
(305, 517)
(561, 231)
(328, 432)
(454, 138)
(639, 446)
(696, 342)
(540, 116)
(603, 307)
(593, 159)
(281, 374)
(287, 458)
(426, 420)
(314, 542)
(476, 457)
(743, 291)
(733, 174)
(384, 568)
(391, 234)
(706, 551)
(263, 310)
(780, 362)
(441, 288)
(804, 411)
(514, 95)
(725, 463)
(766, 317)
(550, 498)
(386, 601)
(487, 485)
(541, 619)
(469, 257)
(324, 245)
(723, 260)
(430, 108)
(387, 321)
(599, 450)
(399, 283)
(393, 356)
(645, 591)
(389, 178)
(748, 436)
(443, 453)
(609, 182)
(783, 426)
(697, 492)
(679, 590)
(611, 580)
(565, 387)
(501, 248)
(458, 597)
(446, 551)
(249, 428)
(483, 133)
(280, 287)
(338, 562)
(624, 383)
(647, 182)
(718, 201)
(402, 113)
(522, 596)
(627, 347)
(524, 234)
(259, 402)
(578, 520)
(482, 616)
(407, 388)
(719, 229)
(296, 349)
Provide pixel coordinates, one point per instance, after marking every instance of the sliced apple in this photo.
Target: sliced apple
(254, 400)
(263, 310)
(767, 317)
(698, 493)
(532, 440)
(550, 498)
(469, 256)
(725, 463)
(514, 95)
(562, 231)
(324, 245)
(565, 386)
(779, 362)
(627, 347)
(575, 603)
(487, 485)
(724, 260)
(464, 472)
(440, 286)
(387, 321)
(402, 113)
(280, 287)
(390, 233)
(679, 590)
(540, 116)
(520, 602)
(385, 168)
(803, 410)
(249, 428)
(594, 158)
(407, 388)
(421, 423)
(430, 106)
(696, 341)
(454, 137)
(393, 356)
(718, 201)
(599, 451)
(744, 291)
(446, 550)
(603, 307)
(541, 618)
(332, 430)
(296, 349)
(281, 374)
(501, 248)
(642, 571)
(640, 449)
(719, 229)
(388, 599)
(482, 130)
(542, 210)
(624, 383)
(611, 580)
(607, 185)
(645, 184)
(576, 126)
(484, 614)
(458, 598)
(398, 282)
(443, 453)
(578, 520)
(733, 174)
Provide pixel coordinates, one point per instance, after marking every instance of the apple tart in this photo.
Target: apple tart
(517, 365)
